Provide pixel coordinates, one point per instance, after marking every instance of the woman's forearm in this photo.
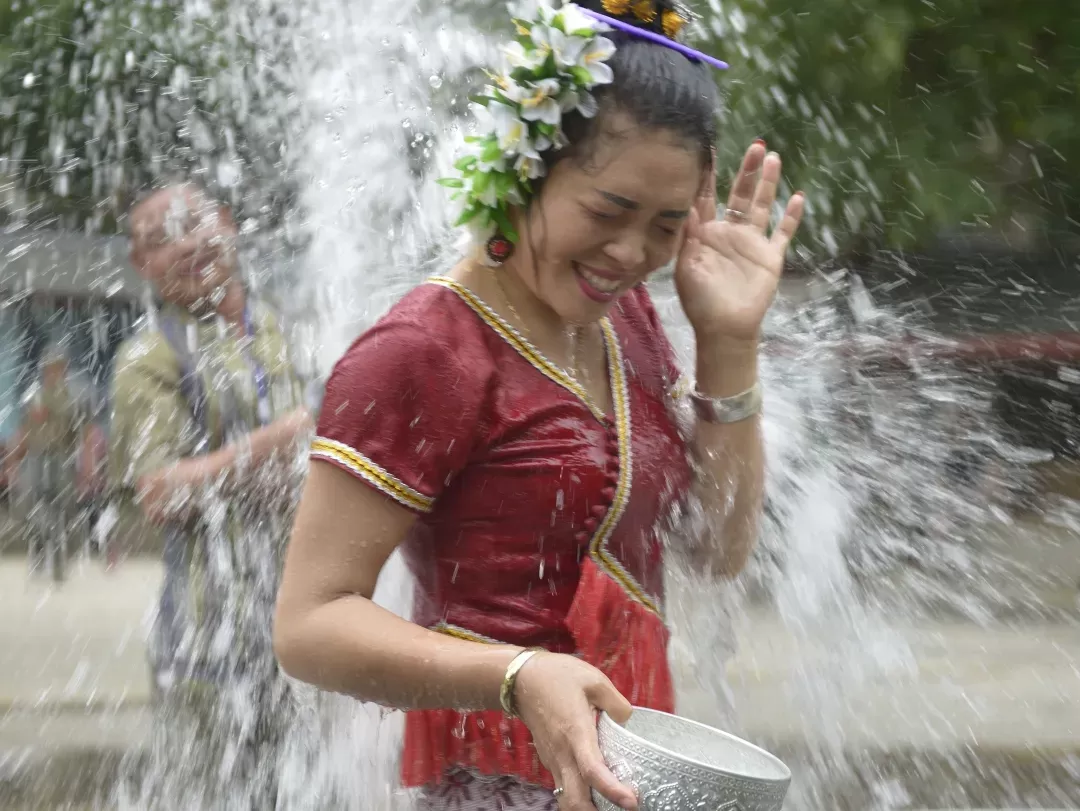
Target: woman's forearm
(165, 493)
(351, 645)
(730, 457)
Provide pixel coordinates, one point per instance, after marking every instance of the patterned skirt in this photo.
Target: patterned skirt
(463, 790)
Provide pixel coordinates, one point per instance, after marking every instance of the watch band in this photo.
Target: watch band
(721, 410)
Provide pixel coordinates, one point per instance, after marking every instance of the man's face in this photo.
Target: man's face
(184, 244)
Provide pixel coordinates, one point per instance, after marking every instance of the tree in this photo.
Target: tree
(103, 97)
(907, 119)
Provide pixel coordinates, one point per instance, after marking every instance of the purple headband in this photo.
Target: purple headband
(659, 39)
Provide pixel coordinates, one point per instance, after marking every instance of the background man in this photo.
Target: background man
(208, 420)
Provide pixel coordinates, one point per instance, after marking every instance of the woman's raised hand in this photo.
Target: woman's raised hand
(729, 266)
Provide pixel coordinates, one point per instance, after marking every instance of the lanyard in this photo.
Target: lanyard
(262, 382)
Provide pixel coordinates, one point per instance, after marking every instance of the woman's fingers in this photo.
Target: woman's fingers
(575, 794)
(605, 697)
(595, 773)
(765, 193)
(706, 202)
(793, 214)
(742, 190)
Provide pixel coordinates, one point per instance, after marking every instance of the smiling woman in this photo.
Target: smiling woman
(512, 424)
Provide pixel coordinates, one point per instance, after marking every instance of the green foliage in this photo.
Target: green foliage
(102, 97)
(905, 119)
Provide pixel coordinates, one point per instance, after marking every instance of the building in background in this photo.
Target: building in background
(66, 289)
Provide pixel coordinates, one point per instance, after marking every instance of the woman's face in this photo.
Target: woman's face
(598, 230)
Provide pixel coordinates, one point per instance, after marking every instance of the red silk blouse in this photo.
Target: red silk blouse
(538, 516)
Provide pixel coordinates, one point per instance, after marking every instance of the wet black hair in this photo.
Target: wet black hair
(657, 88)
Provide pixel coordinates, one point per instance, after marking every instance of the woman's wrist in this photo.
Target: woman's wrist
(726, 366)
(496, 660)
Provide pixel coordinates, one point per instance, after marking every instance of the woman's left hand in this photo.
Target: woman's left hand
(728, 269)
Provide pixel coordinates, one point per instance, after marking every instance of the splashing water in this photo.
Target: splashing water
(375, 92)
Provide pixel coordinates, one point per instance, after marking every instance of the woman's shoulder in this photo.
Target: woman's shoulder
(428, 334)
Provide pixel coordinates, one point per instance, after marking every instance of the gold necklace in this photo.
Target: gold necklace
(573, 372)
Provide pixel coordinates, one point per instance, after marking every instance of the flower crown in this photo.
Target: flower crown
(556, 58)
(548, 70)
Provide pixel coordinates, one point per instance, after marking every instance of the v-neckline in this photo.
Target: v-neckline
(524, 347)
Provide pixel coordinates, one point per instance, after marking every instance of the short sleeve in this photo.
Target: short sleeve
(151, 423)
(402, 410)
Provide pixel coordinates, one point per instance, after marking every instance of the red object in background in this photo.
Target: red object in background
(91, 466)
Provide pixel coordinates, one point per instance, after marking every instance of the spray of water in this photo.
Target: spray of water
(367, 102)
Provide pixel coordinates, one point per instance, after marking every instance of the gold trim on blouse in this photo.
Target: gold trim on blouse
(456, 631)
(621, 400)
(522, 345)
(380, 478)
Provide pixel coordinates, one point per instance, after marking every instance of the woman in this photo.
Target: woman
(512, 424)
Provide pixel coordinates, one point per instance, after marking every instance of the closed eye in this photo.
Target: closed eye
(600, 215)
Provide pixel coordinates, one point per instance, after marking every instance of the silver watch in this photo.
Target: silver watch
(721, 410)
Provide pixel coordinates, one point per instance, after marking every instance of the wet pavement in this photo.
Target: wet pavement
(78, 650)
(74, 682)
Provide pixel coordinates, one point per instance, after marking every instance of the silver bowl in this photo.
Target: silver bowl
(676, 764)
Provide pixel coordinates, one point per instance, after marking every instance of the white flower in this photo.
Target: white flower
(529, 167)
(511, 131)
(593, 56)
(517, 56)
(488, 197)
(586, 104)
(532, 10)
(574, 20)
(538, 100)
(566, 50)
(476, 150)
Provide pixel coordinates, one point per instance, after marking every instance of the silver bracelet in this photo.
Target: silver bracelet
(723, 410)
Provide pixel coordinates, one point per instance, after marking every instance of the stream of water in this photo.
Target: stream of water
(376, 92)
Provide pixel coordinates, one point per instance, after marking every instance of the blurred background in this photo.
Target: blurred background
(924, 354)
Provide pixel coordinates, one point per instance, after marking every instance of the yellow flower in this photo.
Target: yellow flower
(644, 10)
(672, 22)
(616, 7)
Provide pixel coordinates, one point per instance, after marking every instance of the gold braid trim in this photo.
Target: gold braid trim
(366, 469)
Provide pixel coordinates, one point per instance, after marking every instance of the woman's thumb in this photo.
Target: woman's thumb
(605, 697)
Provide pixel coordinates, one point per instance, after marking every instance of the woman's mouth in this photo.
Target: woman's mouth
(601, 289)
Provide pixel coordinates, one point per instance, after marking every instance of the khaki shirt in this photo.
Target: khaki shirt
(152, 423)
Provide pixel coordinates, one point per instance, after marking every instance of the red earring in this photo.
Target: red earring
(499, 249)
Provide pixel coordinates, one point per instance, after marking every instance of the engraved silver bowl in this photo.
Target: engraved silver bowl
(676, 764)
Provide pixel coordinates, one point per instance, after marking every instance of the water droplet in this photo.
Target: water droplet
(435, 81)
(28, 80)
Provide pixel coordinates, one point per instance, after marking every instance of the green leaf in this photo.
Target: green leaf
(491, 151)
(502, 220)
(465, 162)
(482, 100)
(467, 216)
(504, 181)
(451, 182)
(581, 75)
(480, 183)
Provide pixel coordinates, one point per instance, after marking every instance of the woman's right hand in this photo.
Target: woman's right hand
(557, 697)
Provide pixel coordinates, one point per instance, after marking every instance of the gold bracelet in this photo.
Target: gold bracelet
(506, 691)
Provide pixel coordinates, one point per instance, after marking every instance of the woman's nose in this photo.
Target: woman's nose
(627, 249)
